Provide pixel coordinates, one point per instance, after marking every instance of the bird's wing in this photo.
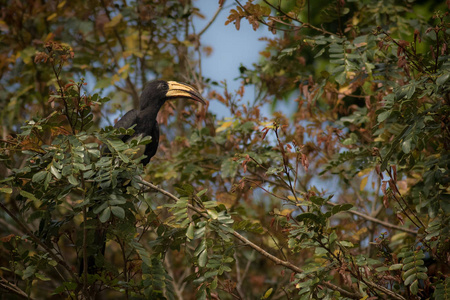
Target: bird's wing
(128, 120)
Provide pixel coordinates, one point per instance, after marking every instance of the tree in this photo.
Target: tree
(346, 198)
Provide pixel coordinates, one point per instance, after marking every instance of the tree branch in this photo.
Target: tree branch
(40, 243)
(211, 21)
(5, 284)
(353, 212)
(263, 252)
(278, 261)
(375, 220)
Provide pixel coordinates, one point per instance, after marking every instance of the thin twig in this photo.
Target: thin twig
(210, 21)
(266, 254)
(375, 220)
(304, 24)
(178, 291)
(11, 287)
(267, 191)
(40, 243)
(353, 212)
(244, 274)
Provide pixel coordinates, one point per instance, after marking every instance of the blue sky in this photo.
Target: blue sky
(231, 47)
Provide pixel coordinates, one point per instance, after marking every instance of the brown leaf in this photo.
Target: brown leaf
(238, 23)
(383, 186)
(305, 162)
(7, 238)
(385, 201)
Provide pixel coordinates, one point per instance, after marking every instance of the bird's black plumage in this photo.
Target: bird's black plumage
(154, 95)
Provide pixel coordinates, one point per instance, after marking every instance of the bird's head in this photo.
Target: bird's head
(159, 91)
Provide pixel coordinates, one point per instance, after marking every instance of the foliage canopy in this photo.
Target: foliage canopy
(347, 196)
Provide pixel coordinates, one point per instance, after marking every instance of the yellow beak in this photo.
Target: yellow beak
(183, 90)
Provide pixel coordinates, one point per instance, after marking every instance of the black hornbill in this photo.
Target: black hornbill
(154, 95)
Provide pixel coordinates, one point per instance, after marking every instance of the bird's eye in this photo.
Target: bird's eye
(163, 86)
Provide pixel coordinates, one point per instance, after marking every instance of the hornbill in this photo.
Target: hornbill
(154, 95)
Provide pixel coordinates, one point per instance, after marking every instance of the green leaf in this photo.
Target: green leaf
(414, 288)
(190, 231)
(118, 211)
(73, 180)
(143, 253)
(410, 279)
(308, 216)
(383, 116)
(406, 146)
(199, 194)
(213, 214)
(212, 273)
(29, 271)
(413, 264)
(347, 244)
(52, 263)
(6, 190)
(274, 170)
(345, 207)
(100, 208)
(28, 195)
(210, 204)
(442, 79)
(317, 200)
(201, 247)
(41, 277)
(319, 53)
(395, 267)
(105, 215)
(39, 176)
(341, 78)
(213, 284)
(55, 172)
(422, 276)
(335, 209)
(202, 258)
(338, 208)
(267, 293)
(229, 168)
